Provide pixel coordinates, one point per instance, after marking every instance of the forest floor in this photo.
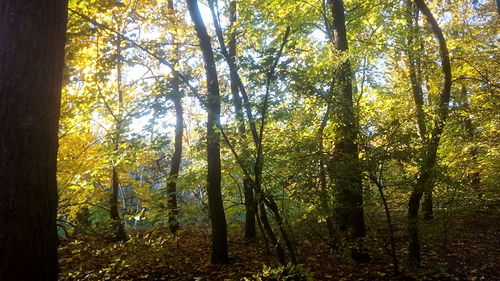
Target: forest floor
(467, 250)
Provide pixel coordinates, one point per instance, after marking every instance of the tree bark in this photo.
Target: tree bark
(216, 209)
(413, 65)
(116, 222)
(176, 163)
(250, 230)
(416, 84)
(347, 174)
(429, 159)
(32, 38)
(173, 211)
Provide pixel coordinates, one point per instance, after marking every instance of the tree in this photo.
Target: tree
(215, 205)
(346, 169)
(179, 127)
(429, 157)
(117, 224)
(32, 38)
(250, 207)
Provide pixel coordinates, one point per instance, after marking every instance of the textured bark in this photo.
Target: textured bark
(347, 171)
(32, 36)
(216, 209)
(173, 211)
(250, 230)
(424, 181)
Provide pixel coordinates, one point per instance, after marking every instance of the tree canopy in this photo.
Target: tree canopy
(302, 136)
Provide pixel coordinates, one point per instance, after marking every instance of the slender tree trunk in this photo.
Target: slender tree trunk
(175, 166)
(474, 177)
(429, 159)
(413, 65)
(32, 37)
(416, 84)
(173, 211)
(324, 194)
(116, 221)
(247, 187)
(347, 174)
(215, 204)
(380, 187)
(261, 202)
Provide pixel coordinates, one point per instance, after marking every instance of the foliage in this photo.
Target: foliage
(287, 272)
(300, 131)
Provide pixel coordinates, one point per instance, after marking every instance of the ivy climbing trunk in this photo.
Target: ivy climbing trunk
(426, 169)
(217, 216)
(32, 38)
(346, 167)
(250, 230)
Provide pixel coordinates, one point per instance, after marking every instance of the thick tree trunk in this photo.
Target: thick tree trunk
(173, 211)
(32, 36)
(347, 174)
(215, 204)
(247, 187)
(424, 181)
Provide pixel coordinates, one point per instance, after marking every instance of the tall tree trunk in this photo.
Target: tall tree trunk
(412, 16)
(324, 194)
(32, 37)
(260, 199)
(176, 164)
(247, 187)
(413, 39)
(216, 209)
(347, 174)
(429, 159)
(173, 211)
(116, 221)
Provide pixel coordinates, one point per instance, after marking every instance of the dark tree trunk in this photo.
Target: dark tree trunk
(215, 204)
(412, 15)
(347, 173)
(173, 211)
(260, 200)
(413, 67)
(424, 180)
(176, 163)
(32, 36)
(247, 187)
